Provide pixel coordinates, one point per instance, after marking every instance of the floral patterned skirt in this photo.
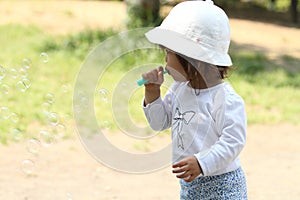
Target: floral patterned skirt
(229, 186)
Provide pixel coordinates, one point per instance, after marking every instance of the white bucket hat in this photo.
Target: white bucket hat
(196, 29)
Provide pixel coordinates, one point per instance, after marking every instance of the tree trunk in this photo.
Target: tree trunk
(294, 13)
(143, 13)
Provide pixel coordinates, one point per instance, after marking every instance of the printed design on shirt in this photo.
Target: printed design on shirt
(180, 119)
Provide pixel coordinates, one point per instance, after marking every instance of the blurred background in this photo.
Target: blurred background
(44, 44)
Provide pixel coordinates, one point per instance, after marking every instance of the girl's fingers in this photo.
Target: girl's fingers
(189, 178)
(179, 164)
(184, 175)
(179, 170)
(159, 75)
(154, 76)
(160, 69)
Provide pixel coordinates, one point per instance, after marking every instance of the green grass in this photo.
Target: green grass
(21, 43)
(269, 88)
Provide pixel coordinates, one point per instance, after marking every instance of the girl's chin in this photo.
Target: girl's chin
(177, 79)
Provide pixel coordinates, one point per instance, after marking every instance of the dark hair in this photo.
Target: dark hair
(223, 70)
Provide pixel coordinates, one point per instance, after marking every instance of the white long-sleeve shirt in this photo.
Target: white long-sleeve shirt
(211, 125)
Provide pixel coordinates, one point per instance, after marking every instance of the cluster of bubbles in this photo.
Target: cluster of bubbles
(55, 129)
(103, 95)
(15, 78)
(11, 80)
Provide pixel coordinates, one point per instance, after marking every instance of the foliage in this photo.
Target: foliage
(78, 44)
(279, 6)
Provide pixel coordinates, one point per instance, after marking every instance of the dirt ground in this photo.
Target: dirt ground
(65, 170)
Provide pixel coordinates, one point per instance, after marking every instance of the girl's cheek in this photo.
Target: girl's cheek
(177, 76)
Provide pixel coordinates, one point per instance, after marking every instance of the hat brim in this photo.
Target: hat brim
(178, 43)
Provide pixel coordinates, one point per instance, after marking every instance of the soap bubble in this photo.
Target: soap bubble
(53, 119)
(103, 93)
(14, 73)
(44, 57)
(46, 138)
(27, 166)
(4, 112)
(4, 89)
(66, 88)
(14, 118)
(49, 97)
(46, 107)
(23, 72)
(23, 84)
(33, 146)
(2, 72)
(84, 101)
(26, 63)
(16, 134)
(86, 121)
(60, 130)
(77, 108)
(106, 125)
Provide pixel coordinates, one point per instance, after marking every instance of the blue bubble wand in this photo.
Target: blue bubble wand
(142, 81)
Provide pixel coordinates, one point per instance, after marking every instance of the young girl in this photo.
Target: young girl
(206, 115)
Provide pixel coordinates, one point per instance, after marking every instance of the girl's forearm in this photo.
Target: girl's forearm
(152, 92)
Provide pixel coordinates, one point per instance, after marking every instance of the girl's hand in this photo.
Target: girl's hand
(154, 76)
(188, 168)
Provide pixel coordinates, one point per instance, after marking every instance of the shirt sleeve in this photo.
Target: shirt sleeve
(231, 119)
(158, 113)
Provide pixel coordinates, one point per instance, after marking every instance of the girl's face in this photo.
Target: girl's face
(174, 67)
